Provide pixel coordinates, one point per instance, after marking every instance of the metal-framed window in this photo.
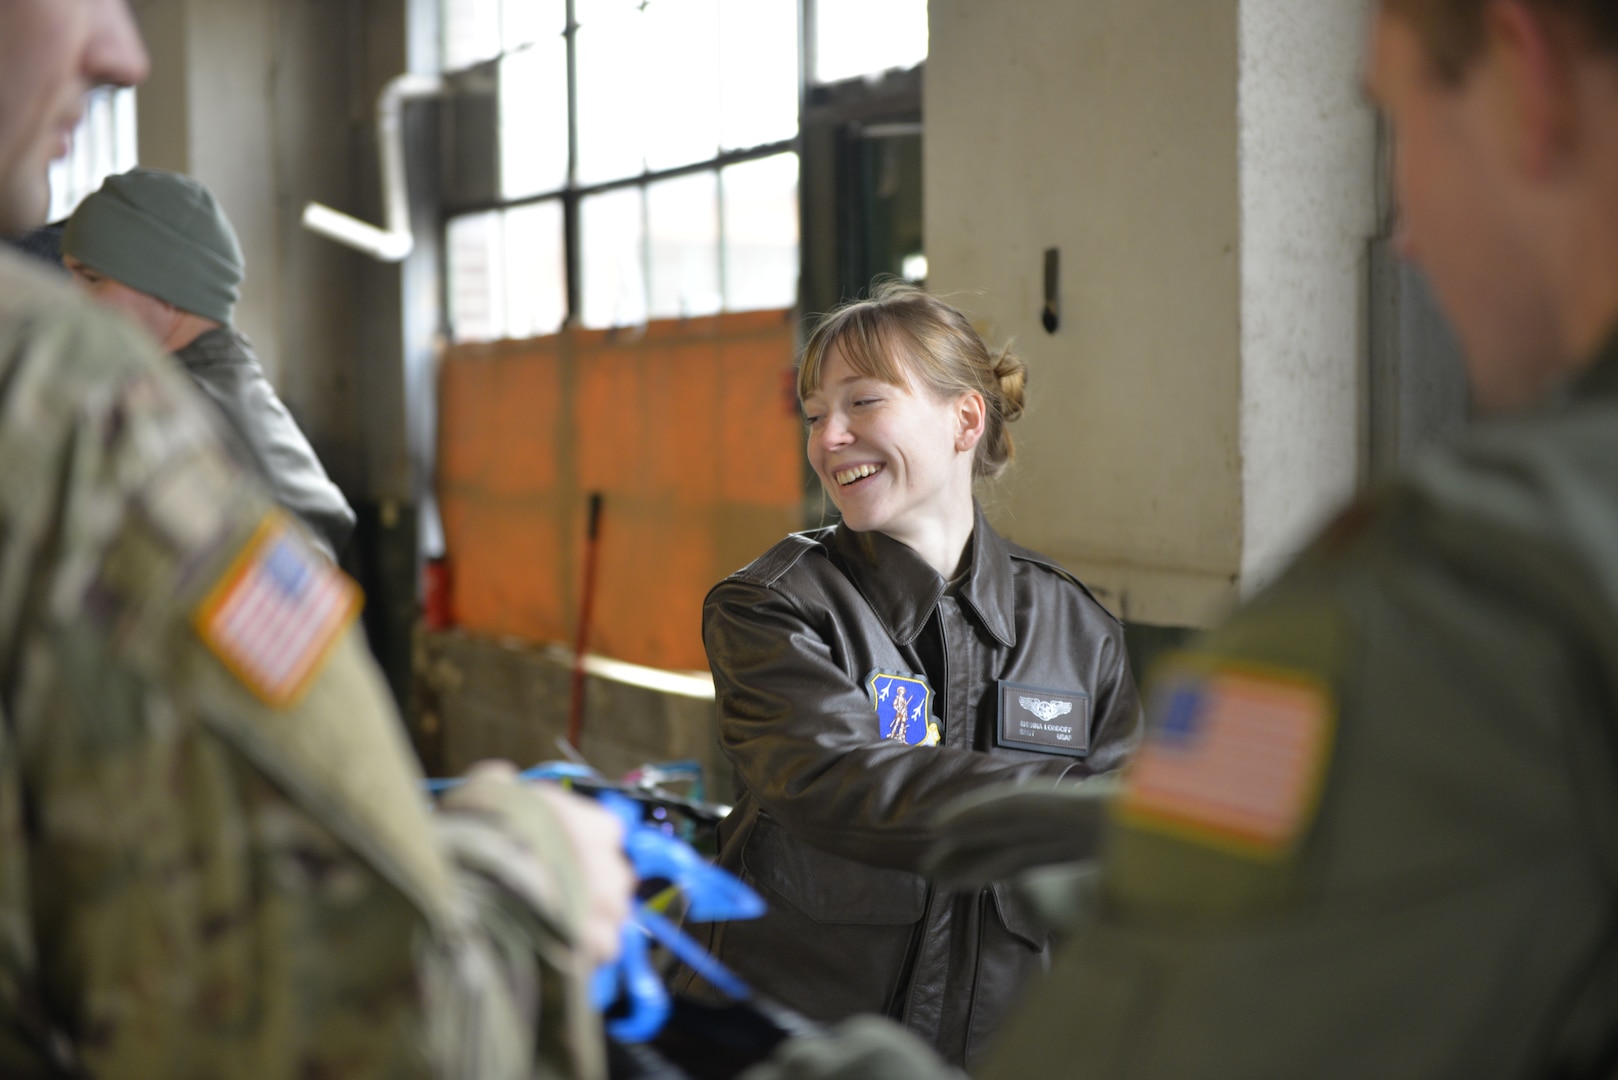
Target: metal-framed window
(647, 160)
(103, 144)
(647, 153)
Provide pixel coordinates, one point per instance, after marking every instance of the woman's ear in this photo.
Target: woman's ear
(971, 421)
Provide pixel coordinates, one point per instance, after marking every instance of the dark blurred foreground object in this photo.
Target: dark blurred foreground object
(750, 1036)
(1006, 830)
(651, 1035)
(758, 1040)
(43, 243)
(709, 1042)
(1373, 830)
(128, 523)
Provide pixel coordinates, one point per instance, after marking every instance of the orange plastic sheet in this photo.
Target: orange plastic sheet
(688, 430)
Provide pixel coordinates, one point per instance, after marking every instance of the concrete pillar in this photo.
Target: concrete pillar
(1307, 148)
(1205, 169)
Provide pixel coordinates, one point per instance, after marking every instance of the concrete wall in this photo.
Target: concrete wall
(1308, 198)
(481, 698)
(1206, 173)
(270, 104)
(1107, 130)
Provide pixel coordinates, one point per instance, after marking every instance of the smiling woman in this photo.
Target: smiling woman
(869, 673)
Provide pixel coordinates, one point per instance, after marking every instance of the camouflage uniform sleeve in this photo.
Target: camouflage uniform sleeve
(1355, 841)
(215, 860)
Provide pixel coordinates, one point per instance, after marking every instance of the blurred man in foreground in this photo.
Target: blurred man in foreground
(1374, 831)
(215, 860)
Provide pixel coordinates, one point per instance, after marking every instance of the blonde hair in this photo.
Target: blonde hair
(900, 332)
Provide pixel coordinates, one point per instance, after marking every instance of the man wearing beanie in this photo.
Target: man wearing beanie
(156, 246)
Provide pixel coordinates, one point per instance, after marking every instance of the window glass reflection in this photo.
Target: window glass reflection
(471, 32)
(760, 200)
(533, 119)
(758, 72)
(103, 144)
(535, 270)
(859, 37)
(476, 277)
(612, 90)
(680, 82)
(524, 22)
(613, 237)
(683, 223)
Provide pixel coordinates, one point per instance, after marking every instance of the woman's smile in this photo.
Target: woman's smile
(849, 476)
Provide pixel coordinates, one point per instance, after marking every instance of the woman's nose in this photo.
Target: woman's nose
(833, 433)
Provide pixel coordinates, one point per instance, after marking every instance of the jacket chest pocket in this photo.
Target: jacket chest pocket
(828, 888)
(1044, 720)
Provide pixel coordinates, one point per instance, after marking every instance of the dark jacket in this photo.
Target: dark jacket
(834, 804)
(222, 365)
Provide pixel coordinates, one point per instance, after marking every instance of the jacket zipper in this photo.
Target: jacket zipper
(920, 933)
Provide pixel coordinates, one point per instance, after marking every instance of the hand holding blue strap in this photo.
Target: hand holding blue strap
(712, 895)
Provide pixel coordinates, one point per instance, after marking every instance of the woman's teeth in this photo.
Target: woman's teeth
(844, 477)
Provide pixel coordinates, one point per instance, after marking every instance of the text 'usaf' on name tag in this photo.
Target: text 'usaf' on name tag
(1044, 720)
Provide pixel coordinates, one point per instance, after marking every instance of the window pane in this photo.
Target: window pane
(861, 37)
(758, 72)
(612, 90)
(612, 234)
(761, 233)
(524, 22)
(103, 144)
(476, 286)
(535, 278)
(681, 98)
(533, 119)
(683, 218)
(471, 32)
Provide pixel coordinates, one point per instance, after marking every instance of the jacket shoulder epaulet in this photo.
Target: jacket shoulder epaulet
(769, 567)
(1022, 554)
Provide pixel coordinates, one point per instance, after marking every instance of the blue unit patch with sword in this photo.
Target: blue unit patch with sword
(904, 708)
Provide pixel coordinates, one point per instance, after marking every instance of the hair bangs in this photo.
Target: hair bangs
(869, 342)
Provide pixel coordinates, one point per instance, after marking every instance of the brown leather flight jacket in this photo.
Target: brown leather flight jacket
(1022, 674)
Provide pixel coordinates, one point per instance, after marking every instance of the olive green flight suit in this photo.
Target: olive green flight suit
(1425, 881)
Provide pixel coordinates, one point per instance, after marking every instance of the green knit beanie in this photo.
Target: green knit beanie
(163, 234)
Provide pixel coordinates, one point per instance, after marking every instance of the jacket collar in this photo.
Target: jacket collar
(903, 590)
(219, 343)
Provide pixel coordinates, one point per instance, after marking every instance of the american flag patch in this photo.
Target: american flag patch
(276, 613)
(1236, 760)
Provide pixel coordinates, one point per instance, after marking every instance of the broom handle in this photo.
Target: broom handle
(581, 640)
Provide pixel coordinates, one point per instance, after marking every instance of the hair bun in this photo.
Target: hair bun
(1012, 375)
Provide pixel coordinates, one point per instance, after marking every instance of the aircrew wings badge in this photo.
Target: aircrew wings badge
(904, 708)
(1235, 760)
(276, 613)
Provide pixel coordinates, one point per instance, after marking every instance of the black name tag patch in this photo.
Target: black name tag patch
(1044, 720)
